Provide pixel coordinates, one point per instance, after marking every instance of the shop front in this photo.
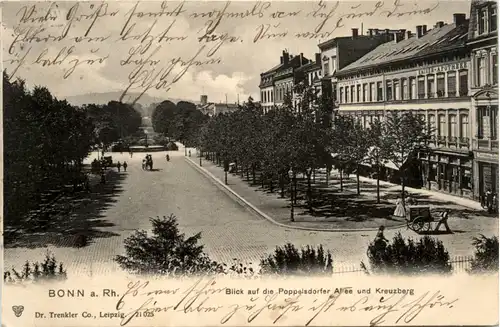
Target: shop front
(449, 173)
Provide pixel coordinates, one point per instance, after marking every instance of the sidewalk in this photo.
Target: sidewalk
(352, 212)
(357, 217)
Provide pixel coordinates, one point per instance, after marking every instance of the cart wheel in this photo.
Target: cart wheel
(429, 226)
(417, 224)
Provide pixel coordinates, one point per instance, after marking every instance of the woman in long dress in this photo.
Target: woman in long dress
(400, 209)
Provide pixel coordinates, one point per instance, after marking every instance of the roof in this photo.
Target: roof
(434, 41)
(272, 70)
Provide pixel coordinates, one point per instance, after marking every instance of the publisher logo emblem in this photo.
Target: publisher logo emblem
(18, 310)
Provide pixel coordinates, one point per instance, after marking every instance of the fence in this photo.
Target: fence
(459, 264)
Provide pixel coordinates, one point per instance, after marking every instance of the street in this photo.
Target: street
(229, 230)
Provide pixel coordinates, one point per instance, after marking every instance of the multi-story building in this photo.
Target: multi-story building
(211, 109)
(428, 73)
(310, 74)
(279, 81)
(339, 52)
(483, 43)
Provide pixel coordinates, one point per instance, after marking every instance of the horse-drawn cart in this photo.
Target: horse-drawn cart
(419, 218)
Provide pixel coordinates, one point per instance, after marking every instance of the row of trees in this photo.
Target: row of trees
(46, 140)
(179, 121)
(298, 139)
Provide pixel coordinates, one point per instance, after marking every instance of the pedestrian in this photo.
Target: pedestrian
(444, 221)
(400, 209)
(125, 166)
(119, 166)
(380, 235)
(189, 153)
(143, 164)
(131, 154)
(489, 200)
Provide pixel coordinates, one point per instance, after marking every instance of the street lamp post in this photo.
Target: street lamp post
(185, 151)
(290, 177)
(199, 155)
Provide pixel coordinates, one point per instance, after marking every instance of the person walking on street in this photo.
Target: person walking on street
(119, 166)
(189, 153)
(400, 209)
(125, 166)
(131, 154)
(489, 200)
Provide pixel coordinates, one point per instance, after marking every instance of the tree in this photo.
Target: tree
(379, 150)
(409, 257)
(165, 252)
(163, 117)
(485, 254)
(406, 134)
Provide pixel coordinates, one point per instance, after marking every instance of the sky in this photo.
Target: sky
(184, 49)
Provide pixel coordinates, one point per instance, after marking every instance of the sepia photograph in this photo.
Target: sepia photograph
(225, 147)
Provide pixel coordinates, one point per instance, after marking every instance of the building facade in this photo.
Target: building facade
(427, 73)
(339, 52)
(483, 45)
(278, 82)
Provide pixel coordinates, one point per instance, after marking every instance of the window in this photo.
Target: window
(358, 93)
(430, 86)
(482, 21)
(481, 71)
(405, 90)
(388, 91)
(442, 125)
(453, 125)
(494, 73)
(326, 68)
(464, 126)
(372, 92)
(380, 92)
(421, 87)
(463, 81)
(346, 94)
(365, 92)
(452, 84)
(397, 91)
(440, 85)
(413, 89)
(432, 124)
(493, 18)
(341, 94)
(334, 64)
(352, 94)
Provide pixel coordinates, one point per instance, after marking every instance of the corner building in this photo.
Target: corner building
(426, 72)
(483, 45)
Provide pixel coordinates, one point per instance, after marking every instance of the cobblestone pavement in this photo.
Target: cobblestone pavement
(229, 230)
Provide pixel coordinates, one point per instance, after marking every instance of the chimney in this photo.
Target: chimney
(419, 31)
(370, 32)
(286, 58)
(281, 60)
(204, 100)
(399, 36)
(386, 31)
(424, 29)
(301, 58)
(354, 33)
(318, 58)
(408, 34)
(439, 24)
(459, 19)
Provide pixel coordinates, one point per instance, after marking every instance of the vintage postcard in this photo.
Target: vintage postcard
(250, 163)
